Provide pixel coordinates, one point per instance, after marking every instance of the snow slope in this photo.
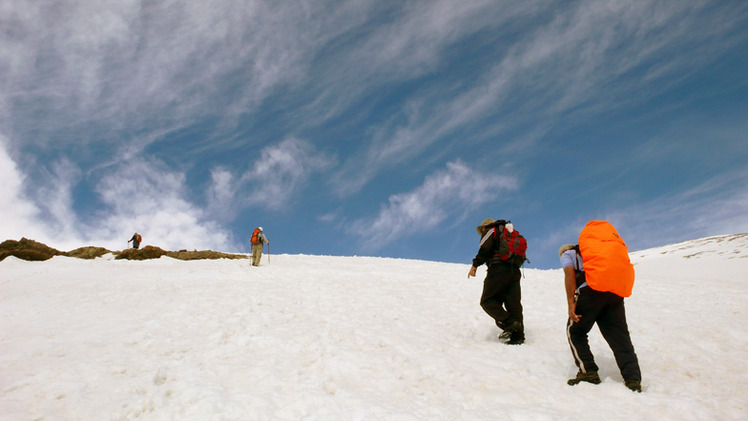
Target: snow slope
(355, 338)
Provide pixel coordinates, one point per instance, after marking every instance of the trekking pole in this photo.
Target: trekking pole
(268, 253)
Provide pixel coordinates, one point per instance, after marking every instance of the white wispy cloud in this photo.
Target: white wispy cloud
(281, 170)
(55, 197)
(127, 67)
(142, 195)
(443, 195)
(147, 197)
(221, 196)
(589, 58)
(160, 65)
(19, 216)
(718, 205)
(112, 80)
(45, 213)
(715, 206)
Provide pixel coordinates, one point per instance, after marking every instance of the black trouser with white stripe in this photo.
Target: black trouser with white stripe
(607, 310)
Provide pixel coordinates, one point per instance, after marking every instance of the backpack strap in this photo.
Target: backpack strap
(579, 273)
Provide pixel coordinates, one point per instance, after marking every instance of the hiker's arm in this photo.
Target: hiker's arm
(485, 252)
(472, 271)
(570, 281)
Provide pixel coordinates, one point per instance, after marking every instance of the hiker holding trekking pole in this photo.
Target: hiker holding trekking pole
(136, 239)
(258, 241)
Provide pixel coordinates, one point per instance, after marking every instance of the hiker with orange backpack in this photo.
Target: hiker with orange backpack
(502, 249)
(258, 239)
(598, 275)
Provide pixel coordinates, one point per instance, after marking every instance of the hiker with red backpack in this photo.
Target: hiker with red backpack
(503, 250)
(258, 239)
(136, 239)
(598, 275)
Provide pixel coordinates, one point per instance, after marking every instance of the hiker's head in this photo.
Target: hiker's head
(564, 249)
(259, 228)
(483, 227)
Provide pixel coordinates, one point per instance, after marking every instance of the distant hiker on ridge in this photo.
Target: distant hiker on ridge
(136, 239)
(503, 250)
(597, 275)
(258, 240)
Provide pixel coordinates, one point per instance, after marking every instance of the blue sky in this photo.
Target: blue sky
(371, 128)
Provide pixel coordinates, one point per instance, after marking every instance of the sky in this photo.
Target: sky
(371, 128)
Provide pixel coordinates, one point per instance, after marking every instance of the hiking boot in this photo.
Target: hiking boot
(516, 340)
(634, 385)
(589, 377)
(511, 328)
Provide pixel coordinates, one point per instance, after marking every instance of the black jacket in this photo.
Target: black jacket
(489, 246)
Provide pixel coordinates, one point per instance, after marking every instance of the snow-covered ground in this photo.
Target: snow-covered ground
(355, 338)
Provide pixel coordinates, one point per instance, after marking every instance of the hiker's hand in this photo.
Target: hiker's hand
(573, 312)
(472, 272)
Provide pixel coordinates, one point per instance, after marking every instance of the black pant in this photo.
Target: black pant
(502, 294)
(608, 311)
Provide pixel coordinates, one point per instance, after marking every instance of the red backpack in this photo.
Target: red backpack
(512, 245)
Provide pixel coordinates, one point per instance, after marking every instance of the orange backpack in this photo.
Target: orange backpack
(255, 236)
(607, 266)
